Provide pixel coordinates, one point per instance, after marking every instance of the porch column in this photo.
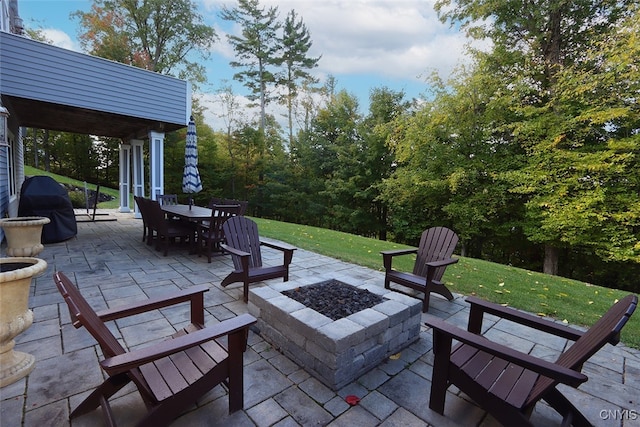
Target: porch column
(156, 166)
(137, 157)
(125, 173)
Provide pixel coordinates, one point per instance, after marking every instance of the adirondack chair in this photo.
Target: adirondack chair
(170, 375)
(508, 383)
(210, 233)
(168, 229)
(243, 243)
(433, 257)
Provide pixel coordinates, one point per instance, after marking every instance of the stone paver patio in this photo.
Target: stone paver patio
(112, 266)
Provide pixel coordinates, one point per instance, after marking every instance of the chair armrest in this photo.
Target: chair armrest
(442, 262)
(134, 359)
(387, 256)
(194, 294)
(541, 366)
(395, 252)
(234, 251)
(279, 246)
(480, 306)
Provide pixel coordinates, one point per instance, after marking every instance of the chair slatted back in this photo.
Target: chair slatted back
(606, 329)
(436, 243)
(215, 201)
(168, 199)
(82, 314)
(219, 215)
(156, 216)
(242, 233)
(243, 204)
(142, 207)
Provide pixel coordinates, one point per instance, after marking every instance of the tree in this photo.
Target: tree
(157, 35)
(296, 42)
(533, 41)
(256, 49)
(385, 107)
(582, 178)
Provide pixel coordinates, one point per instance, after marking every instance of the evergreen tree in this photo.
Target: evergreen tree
(256, 49)
(296, 42)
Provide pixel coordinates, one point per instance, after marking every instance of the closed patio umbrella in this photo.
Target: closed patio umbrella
(191, 177)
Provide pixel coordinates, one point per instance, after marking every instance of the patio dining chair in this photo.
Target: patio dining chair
(167, 230)
(170, 375)
(210, 233)
(147, 233)
(243, 243)
(433, 257)
(507, 383)
(167, 199)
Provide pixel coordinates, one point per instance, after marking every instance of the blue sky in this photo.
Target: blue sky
(364, 44)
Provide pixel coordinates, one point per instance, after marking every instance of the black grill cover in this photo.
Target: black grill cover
(43, 196)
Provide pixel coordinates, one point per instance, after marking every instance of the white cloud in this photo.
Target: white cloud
(60, 39)
(401, 39)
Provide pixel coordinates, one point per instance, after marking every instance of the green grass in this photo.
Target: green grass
(557, 297)
(568, 300)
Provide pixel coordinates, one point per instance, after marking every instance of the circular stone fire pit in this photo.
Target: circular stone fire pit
(335, 351)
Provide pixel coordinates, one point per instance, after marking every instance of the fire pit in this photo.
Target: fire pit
(335, 331)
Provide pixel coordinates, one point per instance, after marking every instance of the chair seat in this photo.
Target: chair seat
(506, 381)
(408, 279)
(168, 376)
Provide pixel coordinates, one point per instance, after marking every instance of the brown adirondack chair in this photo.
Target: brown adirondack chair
(173, 374)
(243, 243)
(210, 233)
(508, 383)
(433, 257)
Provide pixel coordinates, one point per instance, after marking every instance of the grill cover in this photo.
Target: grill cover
(43, 196)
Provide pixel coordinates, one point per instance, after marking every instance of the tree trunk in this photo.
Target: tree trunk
(550, 265)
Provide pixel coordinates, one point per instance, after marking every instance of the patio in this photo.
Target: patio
(111, 266)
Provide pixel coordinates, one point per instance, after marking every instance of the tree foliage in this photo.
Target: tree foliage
(157, 35)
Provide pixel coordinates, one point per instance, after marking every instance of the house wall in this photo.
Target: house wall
(42, 72)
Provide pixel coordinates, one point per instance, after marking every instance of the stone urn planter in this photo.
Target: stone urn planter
(24, 235)
(15, 317)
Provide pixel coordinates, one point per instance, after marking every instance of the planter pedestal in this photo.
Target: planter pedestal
(24, 235)
(15, 316)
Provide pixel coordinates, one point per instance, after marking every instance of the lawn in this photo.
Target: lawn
(552, 296)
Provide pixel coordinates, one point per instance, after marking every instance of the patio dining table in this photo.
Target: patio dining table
(191, 213)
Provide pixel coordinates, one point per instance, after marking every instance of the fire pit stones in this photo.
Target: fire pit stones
(335, 351)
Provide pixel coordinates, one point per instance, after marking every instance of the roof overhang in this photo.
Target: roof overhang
(44, 115)
(47, 87)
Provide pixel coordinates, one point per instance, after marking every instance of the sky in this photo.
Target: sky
(363, 44)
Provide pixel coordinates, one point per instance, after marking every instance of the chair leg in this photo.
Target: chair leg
(425, 301)
(439, 380)
(101, 395)
(564, 407)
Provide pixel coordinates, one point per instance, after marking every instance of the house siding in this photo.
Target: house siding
(42, 72)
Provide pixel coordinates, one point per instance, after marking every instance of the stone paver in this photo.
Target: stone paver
(112, 266)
